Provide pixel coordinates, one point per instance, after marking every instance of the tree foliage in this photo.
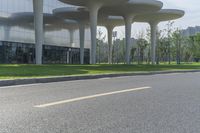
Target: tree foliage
(171, 46)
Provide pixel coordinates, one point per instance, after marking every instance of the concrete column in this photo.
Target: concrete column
(7, 33)
(110, 32)
(128, 25)
(153, 26)
(82, 41)
(93, 11)
(38, 21)
(71, 37)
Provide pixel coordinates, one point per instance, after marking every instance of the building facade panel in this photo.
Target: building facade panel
(18, 34)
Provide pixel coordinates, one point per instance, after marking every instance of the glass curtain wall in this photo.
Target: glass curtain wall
(18, 34)
(23, 53)
(17, 43)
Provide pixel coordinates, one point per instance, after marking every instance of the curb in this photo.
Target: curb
(73, 78)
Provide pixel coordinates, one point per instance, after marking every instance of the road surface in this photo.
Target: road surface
(165, 103)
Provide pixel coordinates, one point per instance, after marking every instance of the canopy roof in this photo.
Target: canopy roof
(3, 20)
(75, 13)
(133, 7)
(162, 15)
(51, 23)
(81, 14)
(111, 21)
(86, 2)
(28, 17)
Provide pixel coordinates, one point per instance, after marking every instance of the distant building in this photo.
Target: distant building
(190, 31)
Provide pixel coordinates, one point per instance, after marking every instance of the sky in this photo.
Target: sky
(191, 18)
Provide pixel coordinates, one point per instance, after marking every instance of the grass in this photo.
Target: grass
(32, 71)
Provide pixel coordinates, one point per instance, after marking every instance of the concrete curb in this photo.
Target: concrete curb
(71, 78)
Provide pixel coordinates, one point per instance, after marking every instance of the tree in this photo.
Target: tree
(169, 31)
(101, 45)
(195, 43)
(161, 46)
(142, 45)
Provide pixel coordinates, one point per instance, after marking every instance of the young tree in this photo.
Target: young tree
(195, 43)
(142, 44)
(148, 37)
(161, 45)
(169, 31)
(100, 45)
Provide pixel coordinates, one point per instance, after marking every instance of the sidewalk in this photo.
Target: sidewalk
(83, 77)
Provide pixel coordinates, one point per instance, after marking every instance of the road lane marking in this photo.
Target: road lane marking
(104, 78)
(173, 74)
(89, 97)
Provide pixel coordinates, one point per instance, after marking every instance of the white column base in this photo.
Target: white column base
(153, 26)
(93, 11)
(128, 27)
(110, 32)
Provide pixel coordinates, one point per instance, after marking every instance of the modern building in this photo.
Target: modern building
(33, 31)
(17, 41)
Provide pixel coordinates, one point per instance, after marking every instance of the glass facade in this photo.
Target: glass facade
(24, 53)
(19, 34)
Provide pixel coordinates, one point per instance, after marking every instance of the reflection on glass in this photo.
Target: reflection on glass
(24, 53)
(16, 33)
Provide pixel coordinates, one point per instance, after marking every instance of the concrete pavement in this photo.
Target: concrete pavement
(50, 79)
(170, 103)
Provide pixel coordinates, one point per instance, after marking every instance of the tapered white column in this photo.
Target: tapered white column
(110, 32)
(71, 37)
(153, 26)
(82, 41)
(7, 33)
(38, 21)
(93, 11)
(128, 25)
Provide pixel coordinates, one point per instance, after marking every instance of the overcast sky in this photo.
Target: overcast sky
(191, 8)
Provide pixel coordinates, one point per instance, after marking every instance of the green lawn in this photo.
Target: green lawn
(30, 71)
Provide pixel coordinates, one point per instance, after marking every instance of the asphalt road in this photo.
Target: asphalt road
(168, 103)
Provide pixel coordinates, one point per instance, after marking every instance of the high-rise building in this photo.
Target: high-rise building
(190, 31)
